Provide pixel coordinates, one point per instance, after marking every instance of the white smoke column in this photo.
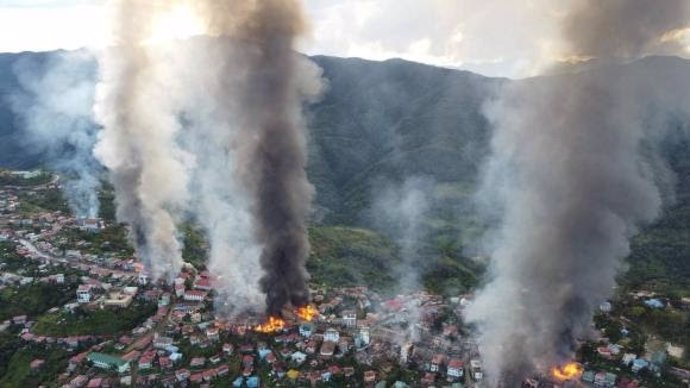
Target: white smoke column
(572, 175)
(399, 210)
(221, 206)
(138, 141)
(54, 108)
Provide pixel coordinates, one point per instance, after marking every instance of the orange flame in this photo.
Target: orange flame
(273, 325)
(307, 313)
(569, 371)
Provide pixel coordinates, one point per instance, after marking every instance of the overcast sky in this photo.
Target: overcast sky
(511, 38)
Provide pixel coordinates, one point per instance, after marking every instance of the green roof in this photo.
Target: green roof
(106, 359)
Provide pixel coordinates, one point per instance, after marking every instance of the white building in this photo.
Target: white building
(476, 370)
(455, 369)
(363, 336)
(84, 293)
(350, 318)
(194, 295)
(331, 335)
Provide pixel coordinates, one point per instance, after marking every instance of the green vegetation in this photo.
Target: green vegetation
(111, 239)
(106, 198)
(344, 256)
(8, 179)
(33, 299)
(110, 322)
(9, 343)
(195, 247)
(18, 371)
(49, 200)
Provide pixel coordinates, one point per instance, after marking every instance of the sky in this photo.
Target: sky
(511, 38)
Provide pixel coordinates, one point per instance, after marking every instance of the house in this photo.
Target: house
(639, 364)
(96, 382)
(197, 362)
(253, 382)
(214, 359)
(119, 299)
(161, 342)
(436, 363)
(271, 358)
(306, 330)
(628, 358)
(165, 362)
(36, 364)
(79, 381)
(349, 318)
(654, 303)
(476, 370)
(298, 358)
(212, 334)
(182, 374)
(327, 349)
(248, 361)
(228, 348)
(222, 370)
(455, 369)
(606, 307)
(108, 362)
(203, 283)
(605, 380)
(179, 290)
(370, 376)
(196, 378)
(194, 295)
(19, 320)
(363, 337)
(146, 361)
(331, 335)
(84, 293)
(164, 299)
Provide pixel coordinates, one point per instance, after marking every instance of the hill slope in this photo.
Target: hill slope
(385, 121)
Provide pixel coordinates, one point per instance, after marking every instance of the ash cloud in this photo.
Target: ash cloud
(138, 143)
(268, 139)
(575, 171)
(54, 109)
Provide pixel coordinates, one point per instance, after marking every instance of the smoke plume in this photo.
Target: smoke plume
(574, 172)
(399, 210)
(54, 108)
(211, 113)
(268, 144)
(138, 142)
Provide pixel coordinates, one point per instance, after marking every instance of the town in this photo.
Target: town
(106, 323)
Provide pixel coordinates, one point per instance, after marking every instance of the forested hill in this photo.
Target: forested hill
(383, 122)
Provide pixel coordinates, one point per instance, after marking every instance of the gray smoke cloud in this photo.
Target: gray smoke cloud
(269, 143)
(54, 109)
(400, 210)
(148, 170)
(574, 172)
(222, 207)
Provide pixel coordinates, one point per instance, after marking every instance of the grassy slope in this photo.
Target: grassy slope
(344, 256)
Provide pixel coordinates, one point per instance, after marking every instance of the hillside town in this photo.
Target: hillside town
(354, 337)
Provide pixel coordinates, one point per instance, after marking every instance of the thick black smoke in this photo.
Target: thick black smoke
(575, 171)
(270, 144)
